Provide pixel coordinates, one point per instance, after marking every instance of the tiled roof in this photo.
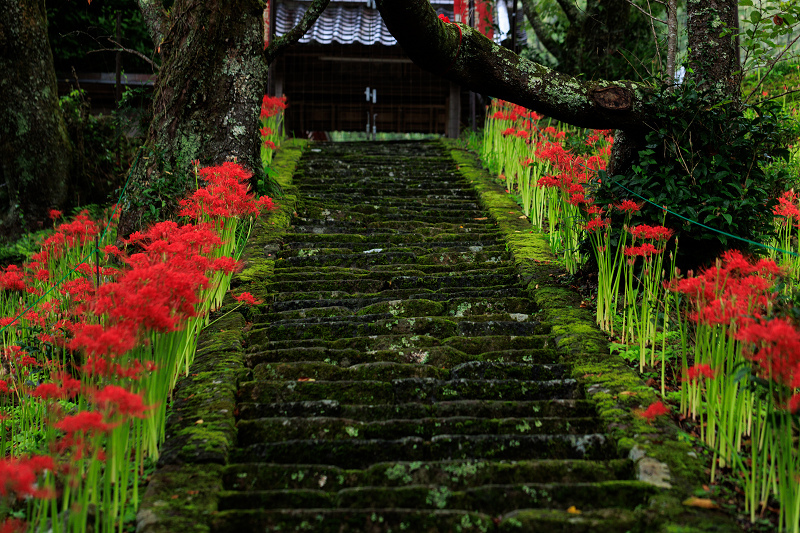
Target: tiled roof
(345, 22)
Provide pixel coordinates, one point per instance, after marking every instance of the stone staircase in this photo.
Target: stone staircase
(401, 377)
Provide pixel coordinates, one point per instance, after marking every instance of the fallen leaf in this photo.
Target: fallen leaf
(174, 496)
(627, 393)
(573, 510)
(481, 218)
(703, 503)
(199, 421)
(192, 492)
(306, 379)
(523, 216)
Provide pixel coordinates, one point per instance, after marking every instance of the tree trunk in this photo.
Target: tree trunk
(713, 55)
(35, 151)
(207, 98)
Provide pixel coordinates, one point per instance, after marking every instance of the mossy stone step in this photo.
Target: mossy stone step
(288, 301)
(350, 520)
(452, 474)
(405, 390)
(303, 249)
(490, 499)
(609, 520)
(474, 408)
(360, 453)
(274, 429)
(472, 346)
(465, 280)
(388, 371)
(438, 327)
(378, 371)
(305, 239)
(421, 228)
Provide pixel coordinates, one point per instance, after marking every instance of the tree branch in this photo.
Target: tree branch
(470, 59)
(571, 11)
(309, 18)
(121, 48)
(656, 19)
(155, 18)
(541, 31)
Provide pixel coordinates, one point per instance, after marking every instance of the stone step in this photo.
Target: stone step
(350, 520)
(303, 249)
(379, 256)
(476, 408)
(275, 429)
(471, 346)
(292, 300)
(360, 453)
(439, 327)
(294, 239)
(490, 499)
(405, 390)
(422, 228)
(389, 371)
(471, 280)
(456, 475)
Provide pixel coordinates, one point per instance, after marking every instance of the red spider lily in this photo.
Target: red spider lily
(699, 371)
(733, 289)
(13, 279)
(654, 410)
(247, 298)
(83, 422)
(645, 250)
(265, 131)
(793, 405)
(13, 525)
(591, 139)
(522, 134)
(775, 347)
(444, 18)
(4, 389)
(272, 105)
(19, 475)
(119, 401)
(656, 233)
(47, 391)
(787, 206)
(596, 224)
(225, 194)
(96, 339)
(629, 206)
(269, 144)
(509, 131)
(54, 214)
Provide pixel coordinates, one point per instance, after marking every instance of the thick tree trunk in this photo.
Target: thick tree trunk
(713, 55)
(206, 100)
(35, 151)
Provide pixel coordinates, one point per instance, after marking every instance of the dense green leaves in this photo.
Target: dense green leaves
(706, 162)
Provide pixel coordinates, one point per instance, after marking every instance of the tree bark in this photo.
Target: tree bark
(207, 98)
(463, 55)
(713, 55)
(35, 151)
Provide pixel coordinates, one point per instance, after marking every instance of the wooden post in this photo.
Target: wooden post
(454, 111)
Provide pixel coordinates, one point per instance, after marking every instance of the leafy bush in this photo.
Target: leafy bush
(706, 162)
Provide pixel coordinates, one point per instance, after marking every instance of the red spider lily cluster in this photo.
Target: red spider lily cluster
(92, 333)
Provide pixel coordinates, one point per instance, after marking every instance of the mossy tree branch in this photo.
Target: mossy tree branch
(309, 18)
(155, 18)
(465, 56)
